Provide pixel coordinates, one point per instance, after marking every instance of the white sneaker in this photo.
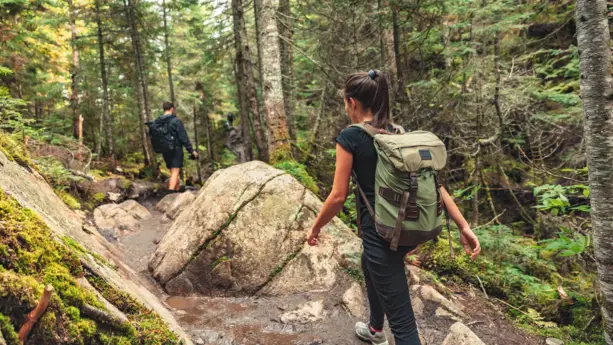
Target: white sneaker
(362, 330)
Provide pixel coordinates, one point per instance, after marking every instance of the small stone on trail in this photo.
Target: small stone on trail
(462, 335)
(307, 313)
(353, 300)
(418, 306)
(554, 341)
(156, 241)
(199, 341)
(428, 293)
(415, 274)
(114, 197)
(440, 312)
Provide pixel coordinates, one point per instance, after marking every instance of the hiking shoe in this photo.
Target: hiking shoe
(362, 330)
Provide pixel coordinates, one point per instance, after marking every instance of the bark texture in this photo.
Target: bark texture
(142, 90)
(171, 86)
(74, 71)
(597, 95)
(287, 63)
(239, 70)
(270, 63)
(105, 89)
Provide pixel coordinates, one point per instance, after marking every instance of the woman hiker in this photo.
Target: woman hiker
(367, 101)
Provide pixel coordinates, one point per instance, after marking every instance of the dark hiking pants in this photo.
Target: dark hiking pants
(388, 293)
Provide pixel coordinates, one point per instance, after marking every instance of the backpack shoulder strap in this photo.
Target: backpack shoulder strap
(398, 129)
(371, 130)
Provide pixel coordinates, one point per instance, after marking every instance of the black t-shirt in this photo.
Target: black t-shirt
(360, 144)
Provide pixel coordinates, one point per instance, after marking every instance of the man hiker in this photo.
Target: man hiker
(168, 137)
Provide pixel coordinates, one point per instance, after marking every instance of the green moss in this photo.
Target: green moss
(300, 173)
(513, 269)
(68, 199)
(126, 184)
(96, 173)
(150, 329)
(13, 148)
(98, 198)
(30, 259)
(8, 332)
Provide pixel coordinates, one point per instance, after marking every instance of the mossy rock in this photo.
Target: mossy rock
(13, 148)
(30, 259)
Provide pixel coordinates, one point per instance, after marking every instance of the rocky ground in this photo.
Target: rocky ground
(309, 298)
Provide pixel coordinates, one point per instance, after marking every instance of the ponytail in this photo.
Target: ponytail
(372, 90)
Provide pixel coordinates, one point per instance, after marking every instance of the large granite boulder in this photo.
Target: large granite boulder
(245, 234)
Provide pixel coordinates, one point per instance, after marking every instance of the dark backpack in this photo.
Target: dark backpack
(162, 135)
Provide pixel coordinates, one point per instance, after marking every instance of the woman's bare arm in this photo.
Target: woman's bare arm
(467, 236)
(338, 195)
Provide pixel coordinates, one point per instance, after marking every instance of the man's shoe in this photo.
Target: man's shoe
(362, 330)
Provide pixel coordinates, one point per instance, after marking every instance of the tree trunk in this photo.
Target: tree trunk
(257, 5)
(278, 141)
(142, 91)
(245, 147)
(240, 39)
(284, 23)
(315, 131)
(400, 93)
(74, 71)
(199, 170)
(207, 126)
(381, 33)
(105, 88)
(167, 46)
(597, 96)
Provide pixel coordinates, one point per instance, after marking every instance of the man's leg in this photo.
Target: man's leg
(173, 182)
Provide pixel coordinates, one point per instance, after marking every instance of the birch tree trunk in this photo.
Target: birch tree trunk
(105, 89)
(597, 96)
(278, 140)
(171, 86)
(287, 63)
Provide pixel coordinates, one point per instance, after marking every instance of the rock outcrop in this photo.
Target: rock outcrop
(32, 191)
(173, 204)
(116, 220)
(245, 234)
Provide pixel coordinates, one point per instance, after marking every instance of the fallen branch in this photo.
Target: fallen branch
(109, 318)
(91, 268)
(482, 287)
(495, 219)
(81, 174)
(36, 314)
(508, 305)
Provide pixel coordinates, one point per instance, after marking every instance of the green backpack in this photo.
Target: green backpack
(408, 205)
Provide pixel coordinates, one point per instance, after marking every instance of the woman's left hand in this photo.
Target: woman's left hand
(312, 237)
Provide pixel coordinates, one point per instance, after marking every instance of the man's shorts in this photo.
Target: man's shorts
(174, 159)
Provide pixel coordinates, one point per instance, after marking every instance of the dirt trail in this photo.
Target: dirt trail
(257, 320)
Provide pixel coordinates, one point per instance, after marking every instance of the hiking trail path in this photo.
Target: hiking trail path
(260, 320)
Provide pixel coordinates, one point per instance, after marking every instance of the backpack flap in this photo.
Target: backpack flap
(412, 151)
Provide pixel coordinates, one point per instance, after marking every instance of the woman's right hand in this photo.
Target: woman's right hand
(470, 242)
